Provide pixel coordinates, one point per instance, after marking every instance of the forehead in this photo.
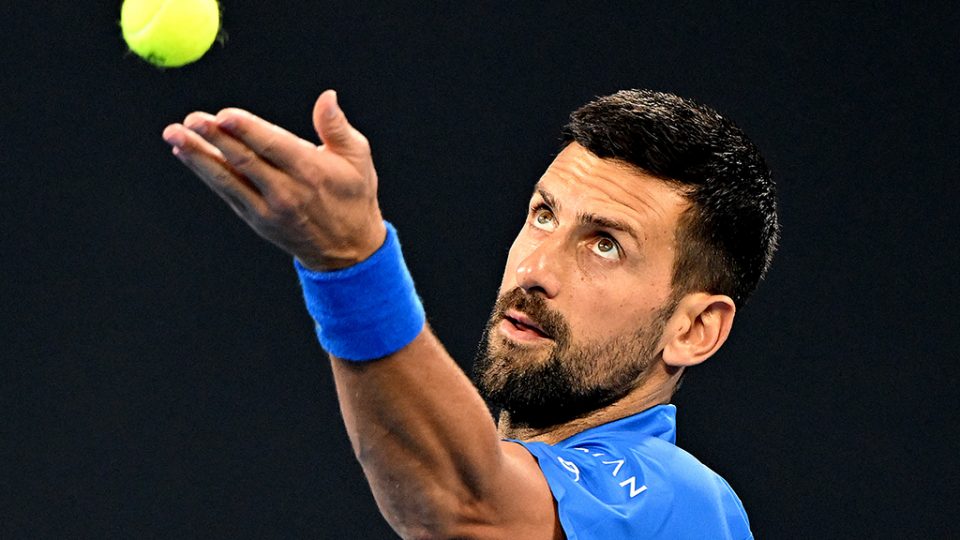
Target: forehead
(582, 182)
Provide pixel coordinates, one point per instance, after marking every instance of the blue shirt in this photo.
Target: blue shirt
(628, 479)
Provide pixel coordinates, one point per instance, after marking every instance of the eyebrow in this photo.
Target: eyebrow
(591, 218)
(548, 198)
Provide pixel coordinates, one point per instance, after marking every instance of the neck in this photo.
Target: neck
(656, 389)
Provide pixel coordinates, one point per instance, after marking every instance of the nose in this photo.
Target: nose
(540, 269)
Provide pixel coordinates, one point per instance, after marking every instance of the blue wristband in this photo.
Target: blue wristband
(366, 311)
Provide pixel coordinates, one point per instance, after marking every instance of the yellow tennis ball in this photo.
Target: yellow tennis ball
(170, 33)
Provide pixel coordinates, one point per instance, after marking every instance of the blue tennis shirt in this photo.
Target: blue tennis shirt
(628, 479)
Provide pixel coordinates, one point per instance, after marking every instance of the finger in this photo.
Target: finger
(267, 178)
(279, 147)
(189, 142)
(334, 129)
(207, 163)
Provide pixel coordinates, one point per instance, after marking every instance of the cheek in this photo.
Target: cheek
(586, 323)
(607, 312)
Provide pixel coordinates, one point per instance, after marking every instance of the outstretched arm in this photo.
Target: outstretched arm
(423, 435)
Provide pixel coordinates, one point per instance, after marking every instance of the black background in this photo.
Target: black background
(160, 377)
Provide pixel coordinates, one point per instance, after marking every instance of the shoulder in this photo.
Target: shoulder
(700, 495)
(637, 485)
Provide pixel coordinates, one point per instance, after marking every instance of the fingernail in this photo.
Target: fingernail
(332, 109)
(176, 139)
(228, 123)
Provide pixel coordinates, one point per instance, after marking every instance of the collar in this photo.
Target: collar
(659, 421)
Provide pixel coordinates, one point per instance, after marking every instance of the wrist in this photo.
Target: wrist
(348, 255)
(368, 310)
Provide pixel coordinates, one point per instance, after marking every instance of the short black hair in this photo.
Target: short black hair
(727, 236)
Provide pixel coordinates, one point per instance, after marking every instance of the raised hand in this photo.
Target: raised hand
(317, 203)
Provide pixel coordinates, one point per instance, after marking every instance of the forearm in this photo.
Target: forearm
(422, 433)
(424, 437)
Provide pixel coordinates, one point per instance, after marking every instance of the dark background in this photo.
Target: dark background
(160, 377)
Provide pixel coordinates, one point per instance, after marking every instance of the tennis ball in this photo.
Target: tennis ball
(170, 33)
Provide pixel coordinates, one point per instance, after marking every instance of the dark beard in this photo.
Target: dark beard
(573, 379)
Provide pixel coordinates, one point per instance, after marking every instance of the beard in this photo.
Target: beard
(548, 384)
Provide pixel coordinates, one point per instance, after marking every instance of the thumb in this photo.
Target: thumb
(334, 129)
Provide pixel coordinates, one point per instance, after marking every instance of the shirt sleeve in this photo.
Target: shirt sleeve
(606, 494)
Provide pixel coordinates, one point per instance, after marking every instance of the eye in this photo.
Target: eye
(607, 248)
(543, 218)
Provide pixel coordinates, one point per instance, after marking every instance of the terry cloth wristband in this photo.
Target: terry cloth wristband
(366, 311)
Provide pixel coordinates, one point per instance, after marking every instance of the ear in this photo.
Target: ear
(698, 327)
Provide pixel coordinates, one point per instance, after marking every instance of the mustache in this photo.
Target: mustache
(552, 322)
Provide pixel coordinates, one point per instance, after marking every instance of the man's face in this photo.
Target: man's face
(585, 293)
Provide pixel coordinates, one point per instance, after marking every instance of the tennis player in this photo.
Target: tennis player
(654, 223)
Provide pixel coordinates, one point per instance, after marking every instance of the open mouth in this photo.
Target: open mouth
(524, 323)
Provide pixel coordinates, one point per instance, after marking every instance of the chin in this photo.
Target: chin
(512, 354)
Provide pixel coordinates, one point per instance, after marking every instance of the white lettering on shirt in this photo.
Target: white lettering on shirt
(572, 467)
(634, 490)
(616, 469)
(630, 483)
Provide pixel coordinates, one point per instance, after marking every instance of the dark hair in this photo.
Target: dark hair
(727, 236)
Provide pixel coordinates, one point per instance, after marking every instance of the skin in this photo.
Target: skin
(438, 471)
(571, 262)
